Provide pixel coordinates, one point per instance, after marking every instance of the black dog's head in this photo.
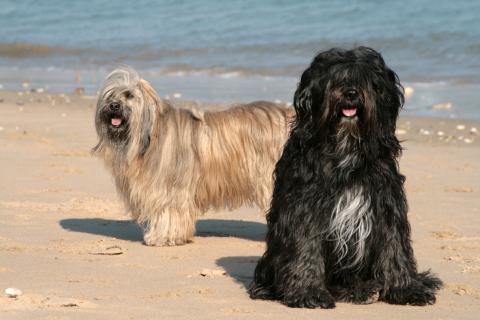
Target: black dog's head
(348, 90)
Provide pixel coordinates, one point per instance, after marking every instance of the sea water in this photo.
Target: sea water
(237, 51)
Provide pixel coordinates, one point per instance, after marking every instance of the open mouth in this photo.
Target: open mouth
(349, 112)
(116, 122)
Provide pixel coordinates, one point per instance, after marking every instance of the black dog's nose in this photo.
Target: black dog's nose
(114, 106)
(351, 94)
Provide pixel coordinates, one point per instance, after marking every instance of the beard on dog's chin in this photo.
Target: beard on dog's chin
(115, 118)
(346, 110)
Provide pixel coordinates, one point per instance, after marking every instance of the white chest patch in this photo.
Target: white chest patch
(350, 226)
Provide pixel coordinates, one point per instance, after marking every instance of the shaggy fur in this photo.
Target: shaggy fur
(337, 226)
(170, 165)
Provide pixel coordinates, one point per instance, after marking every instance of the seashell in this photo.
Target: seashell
(13, 292)
(425, 132)
(409, 92)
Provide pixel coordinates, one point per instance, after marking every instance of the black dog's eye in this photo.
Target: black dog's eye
(376, 87)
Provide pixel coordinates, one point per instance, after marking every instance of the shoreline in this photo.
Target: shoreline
(449, 99)
(409, 127)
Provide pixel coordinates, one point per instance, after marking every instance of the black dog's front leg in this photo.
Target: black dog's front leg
(396, 266)
(292, 269)
(301, 280)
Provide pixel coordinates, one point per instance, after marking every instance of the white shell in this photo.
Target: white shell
(13, 292)
(409, 92)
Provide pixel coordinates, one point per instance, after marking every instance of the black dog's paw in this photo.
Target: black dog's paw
(420, 291)
(413, 295)
(260, 292)
(321, 299)
(367, 294)
(362, 293)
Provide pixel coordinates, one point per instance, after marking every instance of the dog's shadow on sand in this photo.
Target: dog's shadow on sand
(239, 268)
(130, 231)
(248, 230)
(119, 229)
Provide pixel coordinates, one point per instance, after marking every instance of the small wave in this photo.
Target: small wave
(22, 50)
(227, 72)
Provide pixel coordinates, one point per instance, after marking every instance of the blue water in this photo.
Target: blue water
(241, 50)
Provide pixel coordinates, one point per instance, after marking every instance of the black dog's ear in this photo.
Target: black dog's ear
(399, 90)
(302, 100)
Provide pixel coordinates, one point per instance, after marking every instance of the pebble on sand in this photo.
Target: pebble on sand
(80, 91)
(460, 127)
(442, 106)
(440, 133)
(400, 132)
(212, 273)
(13, 292)
(468, 140)
(473, 130)
(425, 132)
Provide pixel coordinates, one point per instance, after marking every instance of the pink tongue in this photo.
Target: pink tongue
(116, 122)
(349, 112)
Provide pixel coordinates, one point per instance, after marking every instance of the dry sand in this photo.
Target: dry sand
(66, 242)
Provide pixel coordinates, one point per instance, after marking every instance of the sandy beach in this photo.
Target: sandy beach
(69, 246)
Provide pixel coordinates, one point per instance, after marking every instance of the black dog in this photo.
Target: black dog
(337, 226)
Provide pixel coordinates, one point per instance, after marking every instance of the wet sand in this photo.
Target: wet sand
(68, 245)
